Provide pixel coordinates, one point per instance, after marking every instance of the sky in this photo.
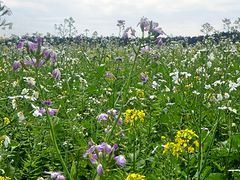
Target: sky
(176, 17)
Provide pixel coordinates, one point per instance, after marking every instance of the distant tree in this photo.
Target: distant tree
(227, 24)
(121, 25)
(207, 29)
(4, 11)
(95, 35)
(67, 29)
(86, 32)
(236, 25)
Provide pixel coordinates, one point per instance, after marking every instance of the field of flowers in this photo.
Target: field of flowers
(119, 110)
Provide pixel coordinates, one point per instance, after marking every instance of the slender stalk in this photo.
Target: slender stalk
(53, 137)
(52, 132)
(124, 89)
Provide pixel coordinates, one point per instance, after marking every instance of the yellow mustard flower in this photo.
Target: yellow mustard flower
(6, 120)
(4, 178)
(132, 115)
(140, 93)
(135, 176)
(185, 140)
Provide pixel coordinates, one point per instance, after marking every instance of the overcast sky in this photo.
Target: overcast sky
(176, 17)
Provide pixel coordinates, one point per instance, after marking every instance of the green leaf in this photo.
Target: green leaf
(216, 176)
(73, 169)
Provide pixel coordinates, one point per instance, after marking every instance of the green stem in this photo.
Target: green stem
(124, 89)
(52, 132)
(53, 137)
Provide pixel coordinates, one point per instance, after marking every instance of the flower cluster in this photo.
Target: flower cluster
(55, 175)
(39, 56)
(98, 154)
(132, 115)
(135, 176)
(6, 121)
(111, 114)
(39, 111)
(4, 178)
(184, 140)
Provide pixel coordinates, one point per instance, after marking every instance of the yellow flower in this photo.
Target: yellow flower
(140, 93)
(132, 115)
(135, 176)
(6, 121)
(190, 149)
(4, 178)
(184, 140)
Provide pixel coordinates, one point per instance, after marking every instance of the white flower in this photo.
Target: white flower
(186, 74)
(207, 86)
(211, 57)
(152, 96)
(24, 91)
(175, 77)
(154, 85)
(233, 86)
(218, 82)
(14, 104)
(35, 96)
(30, 81)
(219, 97)
(167, 89)
(209, 64)
(232, 110)
(196, 92)
(226, 96)
(21, 116)
(6, 141)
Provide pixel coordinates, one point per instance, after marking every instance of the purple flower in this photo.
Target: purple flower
(109, 75)
(112, 112)
(99, 169)
(145, 49)
(47, 102)
(120, 121)
(53, 57)
(52, 112)
(159, 41)
(120, 160)
(54, 175)
(105, 147)
(39, 41)
(102, 117)
(39, 112)
(56, 74)
(144, 77)
(89, 151)
(32, 46)
(20, 44)
(144, 24)
(46, 53)
(93, 158)
(33, 62)
(60, 177)
(115, 147)
(16, 65)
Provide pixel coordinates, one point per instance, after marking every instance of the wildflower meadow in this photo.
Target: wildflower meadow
(120, 108)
